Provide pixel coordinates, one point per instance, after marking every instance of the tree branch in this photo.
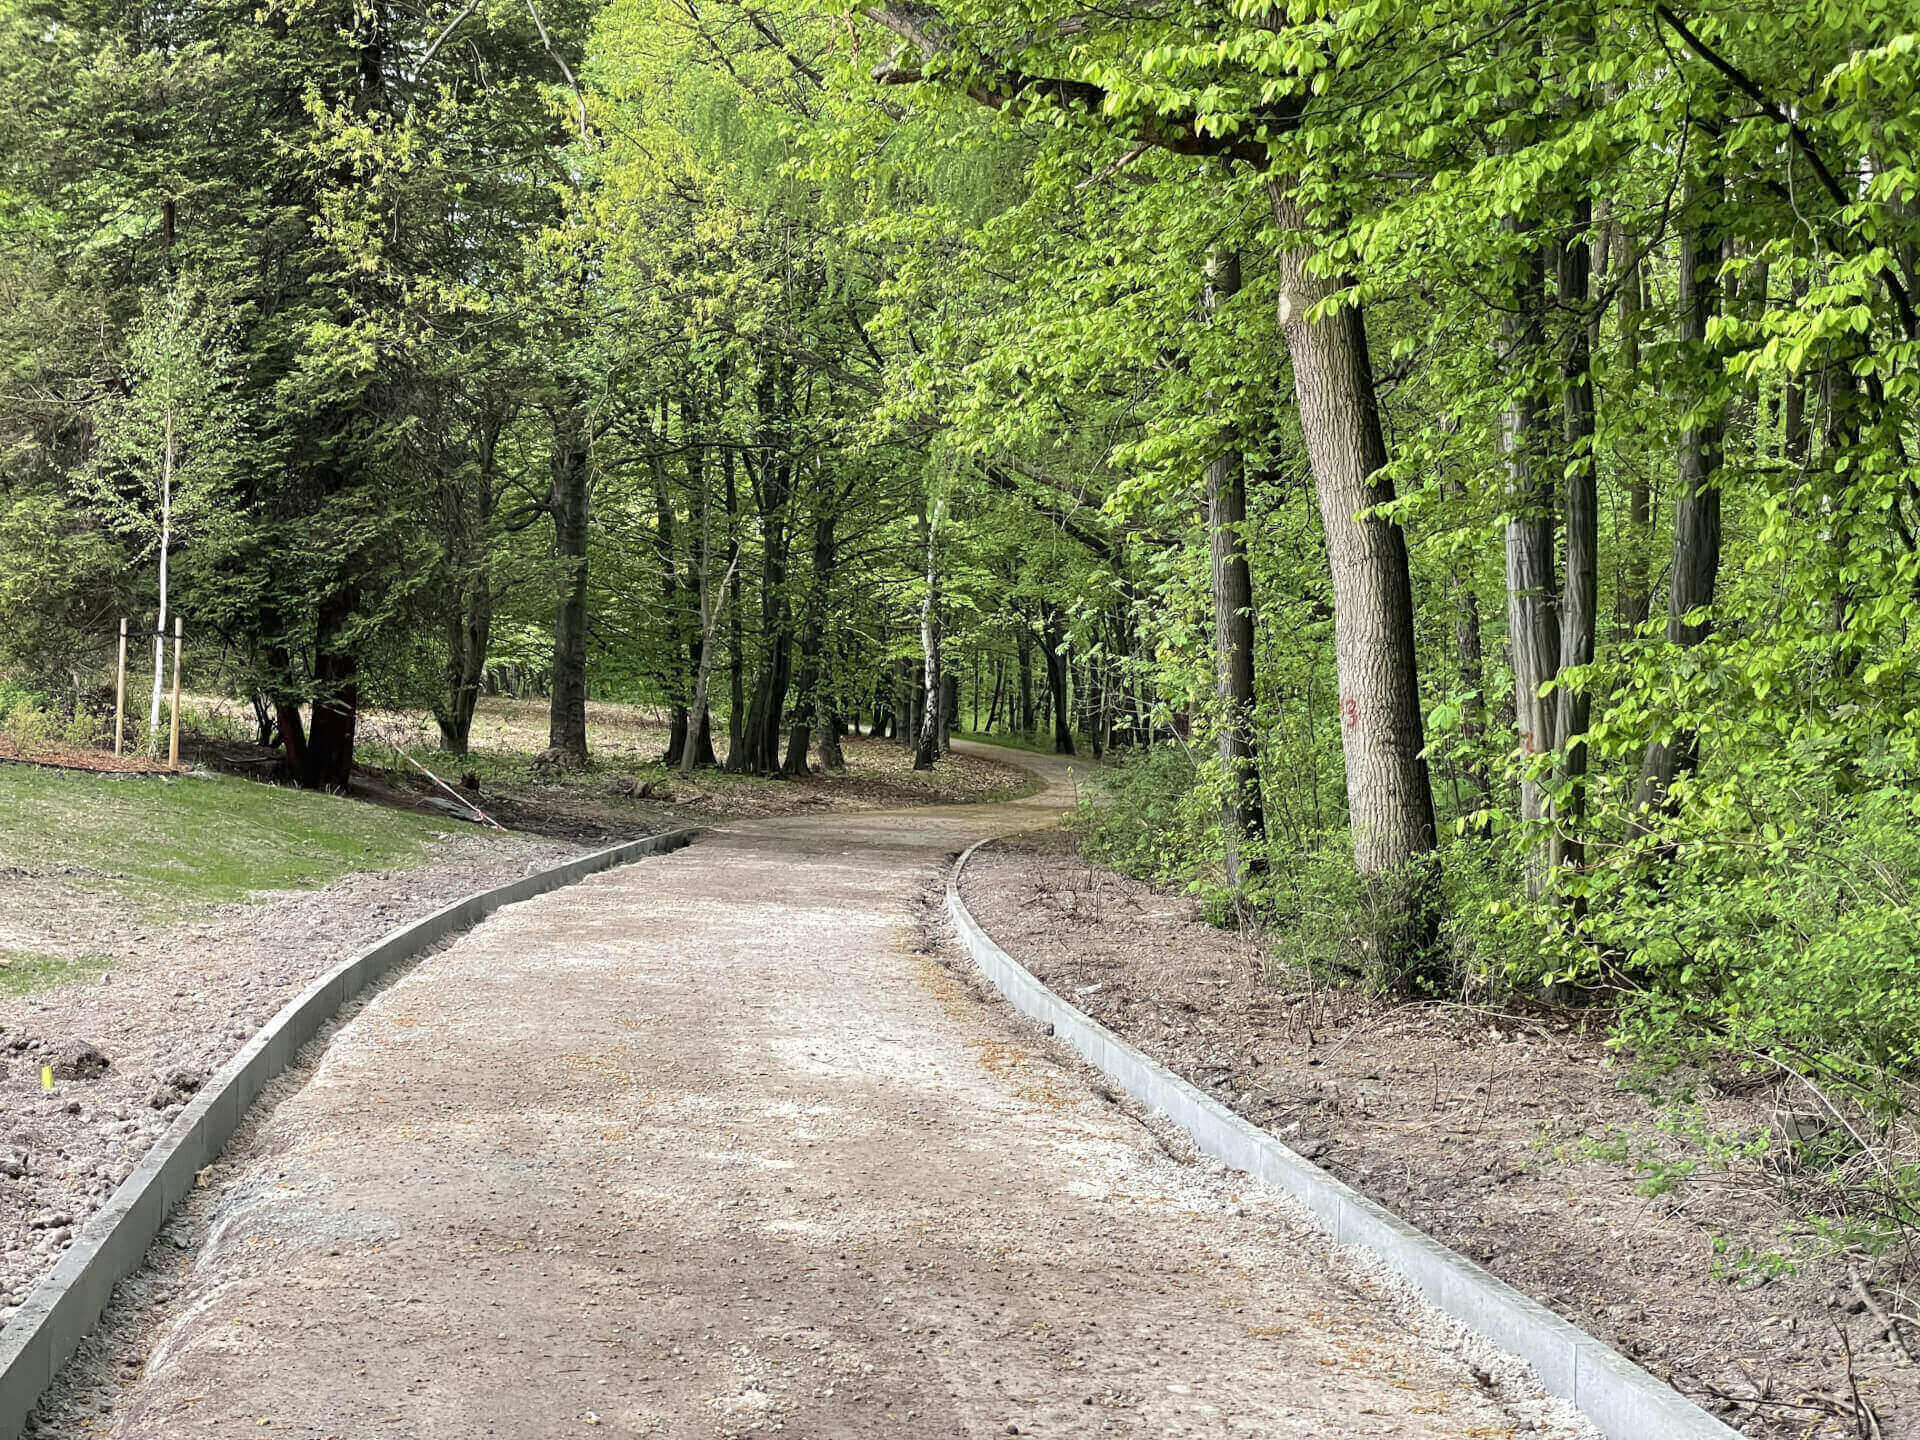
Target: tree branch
(920, 27)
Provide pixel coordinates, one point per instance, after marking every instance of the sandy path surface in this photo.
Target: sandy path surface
(702, 1147)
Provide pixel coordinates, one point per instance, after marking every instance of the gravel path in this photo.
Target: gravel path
(703, 1147)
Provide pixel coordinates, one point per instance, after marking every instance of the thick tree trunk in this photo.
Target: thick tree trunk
(1242, 814)
(1053, 646)
(827, 730)
(469, 626)
(1696, 517)
(567, 716)
(320, 755)
(1389, 793)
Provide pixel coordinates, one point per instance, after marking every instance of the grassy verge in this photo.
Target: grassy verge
(22, 972)
(1036, 744)
(167, 844)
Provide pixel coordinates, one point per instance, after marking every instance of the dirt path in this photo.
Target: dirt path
(702, 1147)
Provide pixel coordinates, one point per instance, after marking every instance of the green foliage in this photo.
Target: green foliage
(1150, 815)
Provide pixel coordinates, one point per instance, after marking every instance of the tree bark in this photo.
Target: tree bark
(1053, 646)
(811, 714)
(1635, 597)
(1580, 505)
(1242, 814)
(569, 500)
(773, 480)
(1023, 641)
(736, 648)
(932, 714)
(1389, 793)
(1533, 631)
(1696, 515)
(320, 755)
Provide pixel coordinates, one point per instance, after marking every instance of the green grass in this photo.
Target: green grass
(22, 972)
(1036, 744)
(167, 844)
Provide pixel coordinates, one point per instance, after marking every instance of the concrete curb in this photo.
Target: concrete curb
(1623, 1401)
(43, 1334)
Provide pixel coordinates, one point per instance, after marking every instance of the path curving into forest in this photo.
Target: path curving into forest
(704, 1147)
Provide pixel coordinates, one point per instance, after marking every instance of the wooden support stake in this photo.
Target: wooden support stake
(120, 694)
(173, 745)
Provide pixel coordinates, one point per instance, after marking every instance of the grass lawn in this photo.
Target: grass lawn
(168, 843)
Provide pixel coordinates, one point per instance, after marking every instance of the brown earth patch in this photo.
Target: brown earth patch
(1499, 1132)
(166, 1006)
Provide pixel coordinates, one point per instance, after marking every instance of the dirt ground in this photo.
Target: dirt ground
(166, 1004)
(705, 1146)
(623, 793)
(1484, 1129)
(173, 1004)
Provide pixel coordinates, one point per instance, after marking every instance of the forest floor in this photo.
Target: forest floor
(157, 922)
(624, 791)
(1519, 1138)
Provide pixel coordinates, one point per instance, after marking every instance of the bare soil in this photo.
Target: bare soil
(173, 1003)
(1498, 1132)
(58, 755)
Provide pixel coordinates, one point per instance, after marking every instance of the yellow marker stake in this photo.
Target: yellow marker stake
(46, 1078)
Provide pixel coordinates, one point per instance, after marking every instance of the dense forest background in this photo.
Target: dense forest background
(1456, 458)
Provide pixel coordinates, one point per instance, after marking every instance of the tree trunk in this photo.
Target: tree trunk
(1053, 646)
(1470, 667)
(773, 481)
(1579, 600)
(1023, 640)
(467, 518)
(320, 757)
(1533, 631)
(666, 556)
(811, 714)
(1696, 516)
(932, 713)
(567, 716)
(1635, 598)
(1242, 814)
(1389, 793)
(736, 648)
(166, 545)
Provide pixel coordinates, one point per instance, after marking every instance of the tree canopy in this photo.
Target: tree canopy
(1457, 460)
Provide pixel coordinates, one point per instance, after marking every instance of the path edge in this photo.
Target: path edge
(1622, 1400)
(44, 1332)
